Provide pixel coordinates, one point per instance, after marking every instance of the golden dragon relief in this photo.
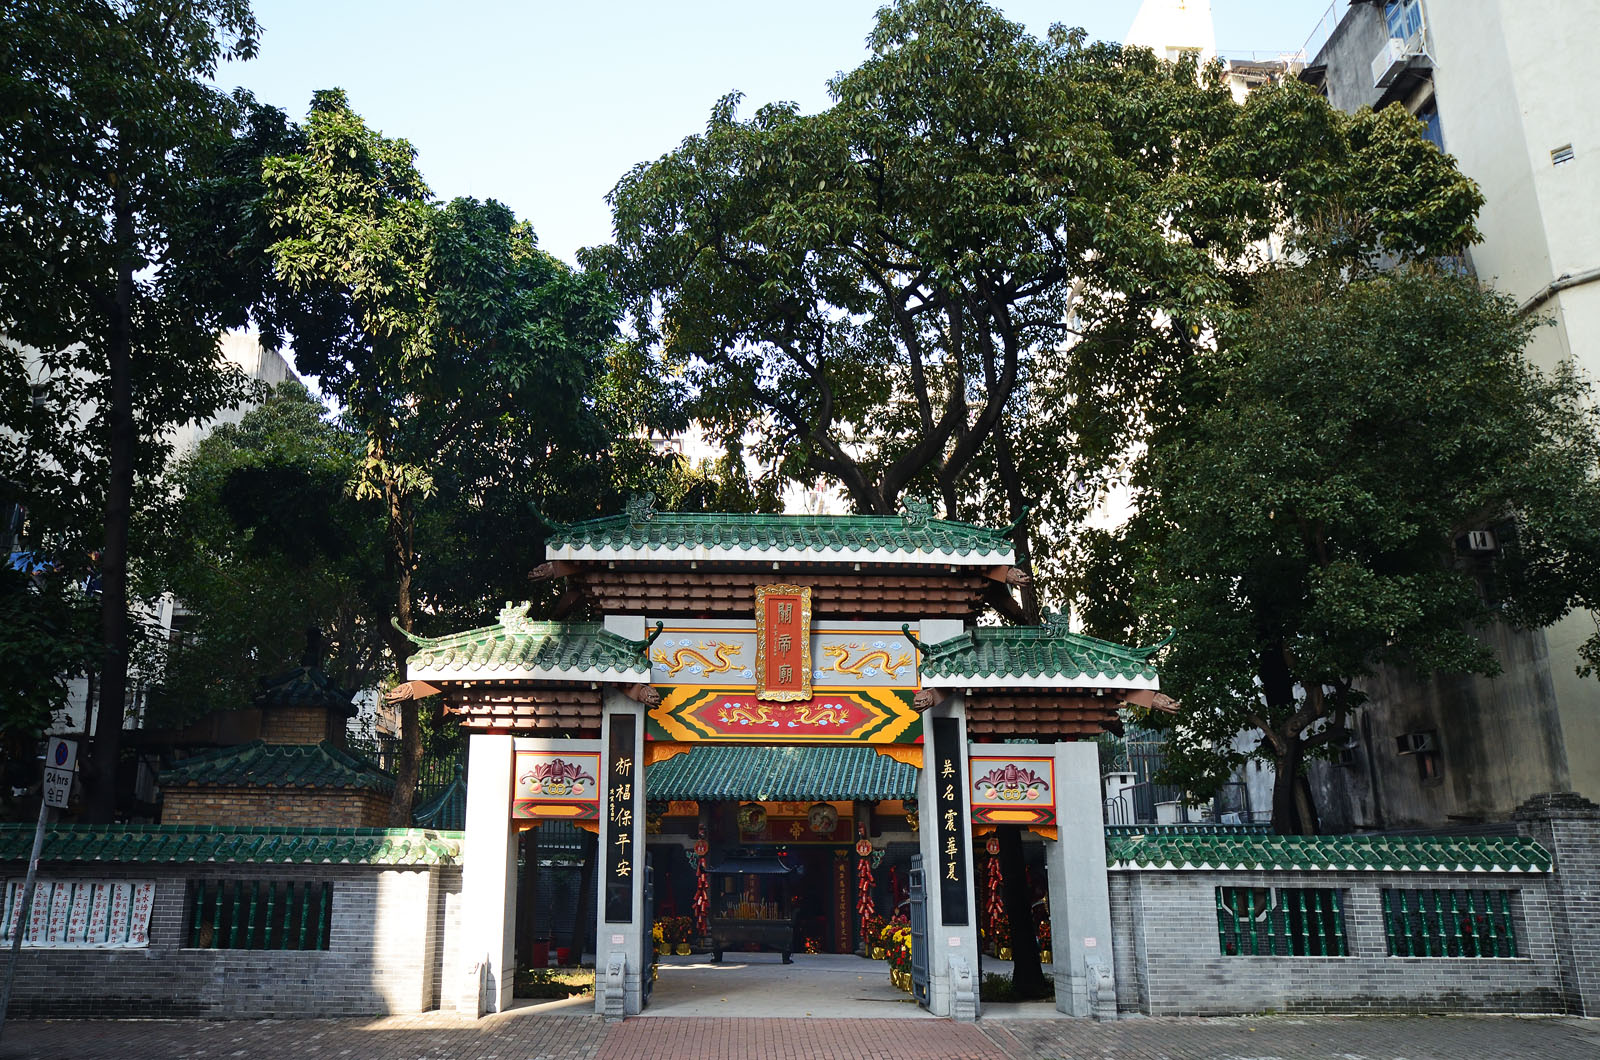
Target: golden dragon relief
(877, 658)
(722, 659)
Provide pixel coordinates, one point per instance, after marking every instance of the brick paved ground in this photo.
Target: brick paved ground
(793, 1039)
(524, 1036)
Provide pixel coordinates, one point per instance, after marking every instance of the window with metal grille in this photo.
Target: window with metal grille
(259, 914)
(1449, 923)
(1280, 922)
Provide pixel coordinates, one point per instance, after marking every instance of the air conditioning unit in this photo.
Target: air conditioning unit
(1414, 743)
(1389, 61)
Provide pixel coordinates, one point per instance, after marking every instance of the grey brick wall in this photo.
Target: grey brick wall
(1169, 960)
(1569, 827)
(384, 953)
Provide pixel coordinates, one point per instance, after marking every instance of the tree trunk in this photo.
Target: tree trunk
(402, 563)
(1027, 974)
(121, 439)
(1293, 810)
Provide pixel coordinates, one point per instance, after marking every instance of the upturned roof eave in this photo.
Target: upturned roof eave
(670, 552)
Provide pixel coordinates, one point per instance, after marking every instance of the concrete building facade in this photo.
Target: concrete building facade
(1501, 87)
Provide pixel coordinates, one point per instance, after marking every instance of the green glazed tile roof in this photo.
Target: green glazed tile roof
(1000, 653)
(519, 644)
(1358, 853)
(262, 765)
(915, 536)
(189, 843)
(304, 686)
(781, 774)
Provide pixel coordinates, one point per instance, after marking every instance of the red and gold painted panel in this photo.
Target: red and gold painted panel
(690, 714)
(556, 786)
(783, 643)
(1013, 790)
(842, 656)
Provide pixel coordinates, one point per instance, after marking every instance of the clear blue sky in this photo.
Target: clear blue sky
(543, 105)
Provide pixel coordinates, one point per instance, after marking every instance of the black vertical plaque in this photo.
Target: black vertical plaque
(950, 786)
(622, 838)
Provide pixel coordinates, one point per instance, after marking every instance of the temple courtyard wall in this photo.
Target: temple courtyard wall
(1516, 932)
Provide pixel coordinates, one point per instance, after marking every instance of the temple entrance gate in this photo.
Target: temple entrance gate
(861, 639)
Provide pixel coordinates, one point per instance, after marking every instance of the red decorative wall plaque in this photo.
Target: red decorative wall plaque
(783, 642)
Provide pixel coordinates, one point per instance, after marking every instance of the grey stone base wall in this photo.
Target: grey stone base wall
(1169, 960)
(385, 951)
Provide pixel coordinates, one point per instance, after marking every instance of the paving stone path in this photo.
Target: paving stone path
(523, 1036)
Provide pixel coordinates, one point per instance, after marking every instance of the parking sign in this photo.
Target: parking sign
(60, 758)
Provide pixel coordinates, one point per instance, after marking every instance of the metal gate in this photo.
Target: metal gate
(647, 942)
(919, 933)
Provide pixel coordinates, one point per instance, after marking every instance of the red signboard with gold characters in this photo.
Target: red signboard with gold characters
(783, 642)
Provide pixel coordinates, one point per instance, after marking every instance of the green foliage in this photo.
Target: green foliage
(46, 639)
(982, 271)
(467, 358)
(108, 128)
(465, 355)
(1297, 523)
(260, 540)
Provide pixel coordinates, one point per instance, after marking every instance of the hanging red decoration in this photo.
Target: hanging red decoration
(702, 897)
(865, 907)
(995, 906)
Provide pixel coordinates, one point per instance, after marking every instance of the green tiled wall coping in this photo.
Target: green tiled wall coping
(157, 843)
(1331, 853)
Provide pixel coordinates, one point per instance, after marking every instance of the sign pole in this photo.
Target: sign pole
(55, 786)
(23, 914)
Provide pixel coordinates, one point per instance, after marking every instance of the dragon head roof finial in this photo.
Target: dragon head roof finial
(918, 510)
(641, 508)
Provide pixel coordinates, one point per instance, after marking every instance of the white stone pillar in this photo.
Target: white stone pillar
(621, 941)
(952, 948)
(488, 880)
(1080, 898)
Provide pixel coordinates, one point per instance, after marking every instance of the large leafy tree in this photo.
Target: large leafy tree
(978, 271)
(463, 353)
(1298, 522)
(107, 124)
(259, 540)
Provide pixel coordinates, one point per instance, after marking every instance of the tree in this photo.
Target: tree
(460, 350)
(105, 120)
(1297, 525)
(979, 270)
(259, 540)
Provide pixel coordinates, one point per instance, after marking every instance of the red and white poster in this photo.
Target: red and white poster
(82, 913)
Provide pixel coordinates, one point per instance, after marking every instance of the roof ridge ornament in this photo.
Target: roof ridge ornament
(918, 510)
(421, 642)
(641, 508)
(514, 617)
(555, 526)
(1022, 517)
(1172, 635)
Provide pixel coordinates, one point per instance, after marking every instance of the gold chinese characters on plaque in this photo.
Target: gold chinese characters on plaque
(783, 642)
